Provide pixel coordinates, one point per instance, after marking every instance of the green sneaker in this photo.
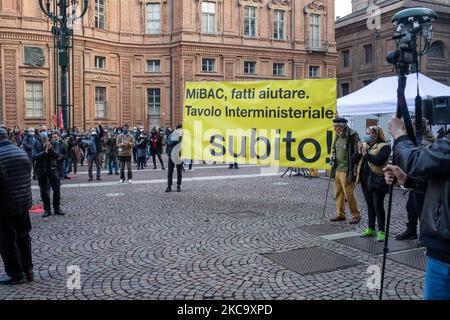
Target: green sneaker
(381, 236)
(368, 233)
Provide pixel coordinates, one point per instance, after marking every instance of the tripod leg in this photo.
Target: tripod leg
(386, 247)
(326, 200)
(285, 172)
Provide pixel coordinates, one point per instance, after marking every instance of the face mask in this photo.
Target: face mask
(63, 135)
(94, 133)
(44, 135)
(119, 132)
(125, 131)
(31, 133)
(16, 131)
(367, 138)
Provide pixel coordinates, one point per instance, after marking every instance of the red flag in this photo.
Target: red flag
(54, 120)
(61, 121)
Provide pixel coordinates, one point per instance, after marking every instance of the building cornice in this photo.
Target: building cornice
(145, 49)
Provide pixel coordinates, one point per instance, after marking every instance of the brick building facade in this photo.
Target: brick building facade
(133, 57)
(362, 47)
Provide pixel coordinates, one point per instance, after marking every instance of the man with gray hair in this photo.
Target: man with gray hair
(344, 170)
(16, 200)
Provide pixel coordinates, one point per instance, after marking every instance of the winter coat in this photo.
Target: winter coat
(45, 161)
(352, 139)
(125, 143)
(15, 180)
(431, 163)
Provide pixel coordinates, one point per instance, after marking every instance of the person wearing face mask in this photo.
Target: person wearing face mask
(62, 154)
(141, 145)
(173, 151)
(374, 154)
(111, 150)
(135, 134)
(94, 151)
(156, 148)
(27, 146)
(46, 153)
(125, 143)
(344, 170)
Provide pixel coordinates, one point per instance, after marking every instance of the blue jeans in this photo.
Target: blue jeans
(113, 163)
(437, 280)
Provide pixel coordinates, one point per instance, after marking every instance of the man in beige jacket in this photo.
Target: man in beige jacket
(125, 143)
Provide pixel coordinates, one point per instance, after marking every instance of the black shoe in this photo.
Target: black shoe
(169, 189)
(154, 168)
(46, 214)
(163, 168)
(59, 213)
(5, 280)
(338, 218)
(407, 235)
(29, 275)
(117, 174)
(98, 178)
(67, 178)
(178, 188)
(110, 174)
(90, 179)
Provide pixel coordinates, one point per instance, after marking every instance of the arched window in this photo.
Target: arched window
(437, 50)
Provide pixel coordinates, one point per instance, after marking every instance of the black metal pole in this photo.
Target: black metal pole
(402, 110)
(63, 41)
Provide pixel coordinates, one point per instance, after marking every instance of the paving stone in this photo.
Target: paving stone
(148, 244)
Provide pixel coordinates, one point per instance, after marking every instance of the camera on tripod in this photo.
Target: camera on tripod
(410, 25)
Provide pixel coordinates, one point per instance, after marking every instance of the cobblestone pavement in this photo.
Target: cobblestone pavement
(135, 241)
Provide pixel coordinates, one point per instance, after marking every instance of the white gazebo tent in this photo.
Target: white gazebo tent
(380, 97)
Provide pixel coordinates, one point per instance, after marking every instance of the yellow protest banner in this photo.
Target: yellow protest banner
(278, 123)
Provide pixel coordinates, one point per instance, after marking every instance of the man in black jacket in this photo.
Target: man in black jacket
(431, 163)
(16, 200)
(46, 153)
(173, 151)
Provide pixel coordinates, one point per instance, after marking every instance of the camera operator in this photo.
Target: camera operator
(431, 163)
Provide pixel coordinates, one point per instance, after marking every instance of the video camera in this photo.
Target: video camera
(410, 25)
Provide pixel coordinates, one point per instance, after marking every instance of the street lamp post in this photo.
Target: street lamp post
(62, 31)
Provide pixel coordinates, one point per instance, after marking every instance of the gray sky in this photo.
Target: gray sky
(343, 7)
